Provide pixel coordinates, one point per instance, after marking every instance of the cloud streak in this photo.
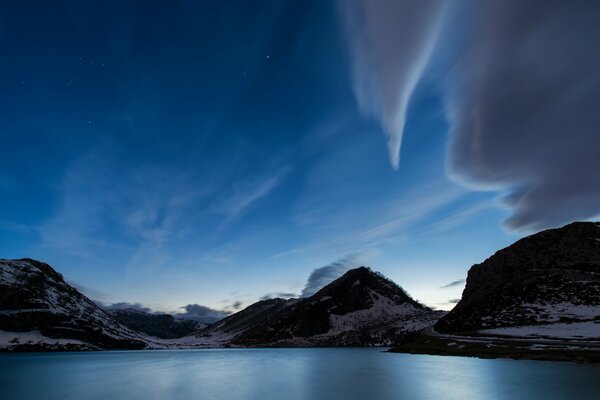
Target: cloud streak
(456, 283)
(390, 44)
(244, 195)
(142, 206)
(276, 295)
(323, 276)
(392, 222)
(521, 92)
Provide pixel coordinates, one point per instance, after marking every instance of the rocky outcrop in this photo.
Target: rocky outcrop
(552, 276)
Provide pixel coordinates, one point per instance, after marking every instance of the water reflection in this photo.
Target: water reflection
(291, 374)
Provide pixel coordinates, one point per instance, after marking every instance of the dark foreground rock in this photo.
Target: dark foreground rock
(550, 277)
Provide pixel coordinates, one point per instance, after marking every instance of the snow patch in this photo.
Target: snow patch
(382, 309)
(564, 310)
(8, 339)
(575, 330)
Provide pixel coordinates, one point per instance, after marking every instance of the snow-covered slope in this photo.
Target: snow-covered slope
(589, 330)
(361, 308)
(40, 311)
(552, 277)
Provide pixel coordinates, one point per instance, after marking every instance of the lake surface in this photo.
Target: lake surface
(287, 374)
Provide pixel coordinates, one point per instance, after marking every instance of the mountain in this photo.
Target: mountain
(163, 326)
(547, 284)
(40, 311)
(360, 308)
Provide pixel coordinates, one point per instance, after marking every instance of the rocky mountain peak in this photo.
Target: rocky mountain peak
(359, 308)
(34, 298)
(527, 282)
(359, 287)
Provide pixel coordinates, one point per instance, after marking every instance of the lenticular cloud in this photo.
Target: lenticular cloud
(522, 94)
(390, 44)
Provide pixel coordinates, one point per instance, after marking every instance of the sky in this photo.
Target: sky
(195, 157)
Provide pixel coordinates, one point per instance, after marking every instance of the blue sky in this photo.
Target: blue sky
(174, 153)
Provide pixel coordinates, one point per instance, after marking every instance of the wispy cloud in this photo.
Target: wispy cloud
(275, 295)
(112, 212)
(143, 204)
(459, 282)
(15, 227)
(387, 223)
(245, 194)
(446, 305)
(460, 217)
(390, 44)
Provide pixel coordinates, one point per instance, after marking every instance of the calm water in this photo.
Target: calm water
(287, 374)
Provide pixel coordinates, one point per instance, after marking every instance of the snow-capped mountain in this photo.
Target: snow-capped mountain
(40, 311)
(164, 326)
(547, 284)
(360, 308)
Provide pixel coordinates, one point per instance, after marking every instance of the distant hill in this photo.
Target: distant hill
(163, 326)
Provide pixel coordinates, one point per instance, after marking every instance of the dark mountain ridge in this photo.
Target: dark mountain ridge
(360, 308)
(163, 326)
(40, 311)
(551, 276)
(34, 298)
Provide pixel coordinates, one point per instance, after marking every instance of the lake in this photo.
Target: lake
(287, 374)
